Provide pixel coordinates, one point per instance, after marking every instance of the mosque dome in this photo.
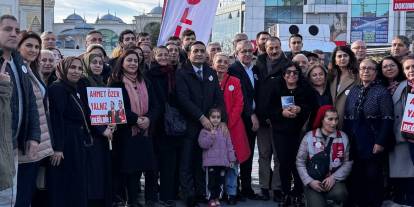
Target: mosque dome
(156, 10)
(74, 18)
(109, 18)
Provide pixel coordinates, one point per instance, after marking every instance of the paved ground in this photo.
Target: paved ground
(255, 180)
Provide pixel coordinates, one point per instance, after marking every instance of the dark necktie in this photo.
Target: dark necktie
(200, 74)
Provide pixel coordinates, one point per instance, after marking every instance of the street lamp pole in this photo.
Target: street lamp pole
(42, 15)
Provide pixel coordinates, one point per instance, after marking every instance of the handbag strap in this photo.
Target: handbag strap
(84, 122)
(328, 147)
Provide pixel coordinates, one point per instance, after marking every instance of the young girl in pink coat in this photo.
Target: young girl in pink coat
(218, 154)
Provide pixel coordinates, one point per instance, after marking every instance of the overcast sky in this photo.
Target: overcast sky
(90, 9)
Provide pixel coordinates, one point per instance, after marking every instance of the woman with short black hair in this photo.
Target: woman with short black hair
(292, 101)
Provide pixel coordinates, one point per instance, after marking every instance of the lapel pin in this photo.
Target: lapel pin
(24, 69)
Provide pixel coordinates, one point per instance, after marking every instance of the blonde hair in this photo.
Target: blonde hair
(220, 54)
(116, 52)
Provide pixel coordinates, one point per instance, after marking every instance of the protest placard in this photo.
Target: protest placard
(107, 106)
(407, 124)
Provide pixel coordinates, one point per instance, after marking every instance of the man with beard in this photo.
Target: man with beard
(261, 38)
(400, 47)
(126, 39)
(187, 38)
(270, 66)
(360, 50)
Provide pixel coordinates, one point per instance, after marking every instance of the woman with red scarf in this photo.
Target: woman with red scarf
(132, 148)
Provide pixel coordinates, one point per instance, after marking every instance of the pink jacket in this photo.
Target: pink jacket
(217, 148)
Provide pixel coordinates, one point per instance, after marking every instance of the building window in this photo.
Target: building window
(284, 2)
(329, 1)
(369, 21)
(337, 23)
(283, 12)
(225, 27)
(409, 29)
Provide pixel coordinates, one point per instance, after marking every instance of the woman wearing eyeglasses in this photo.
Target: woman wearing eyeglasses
(390, 73)
(291, 102)
(368, 121)
(401, 157)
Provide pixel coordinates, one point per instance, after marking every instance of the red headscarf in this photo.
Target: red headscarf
(317, 123)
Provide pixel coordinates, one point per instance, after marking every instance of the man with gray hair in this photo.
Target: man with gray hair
(247, 72)
(360, 50)
(400, 47)
(48, 40)
(93, 37)
(237, 38)
(302, 61)
(212, 49)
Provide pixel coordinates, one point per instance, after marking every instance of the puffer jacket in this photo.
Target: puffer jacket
(6, 147)
(45, 147)
(313, 143)
(217, 148)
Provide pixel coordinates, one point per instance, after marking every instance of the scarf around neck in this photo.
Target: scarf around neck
(94, 80)
(138, 97)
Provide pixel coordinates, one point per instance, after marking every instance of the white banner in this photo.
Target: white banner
(107, 105)
(179, 15)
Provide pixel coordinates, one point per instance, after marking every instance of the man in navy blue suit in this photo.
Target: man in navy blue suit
(198, 91)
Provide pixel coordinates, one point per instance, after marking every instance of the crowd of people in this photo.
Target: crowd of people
(328, 131)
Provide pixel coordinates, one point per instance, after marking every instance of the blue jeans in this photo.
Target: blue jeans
(231, 180)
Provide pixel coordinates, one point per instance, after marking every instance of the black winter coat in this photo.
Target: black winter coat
(266, 84)
(98, 155)
(304, 97)
(133, 154)
(68, 181)
(196, 97)
(159, 82)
